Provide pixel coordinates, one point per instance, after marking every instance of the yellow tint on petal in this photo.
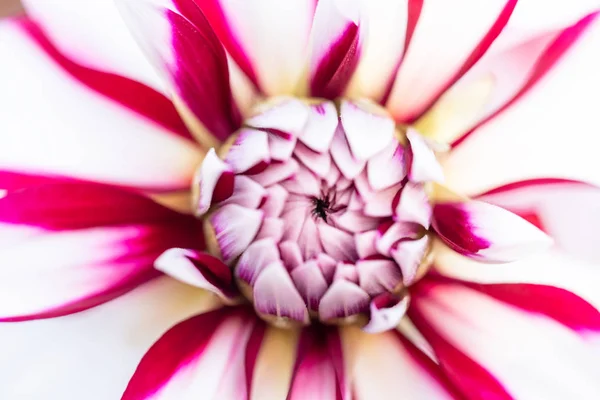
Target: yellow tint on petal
(456, 111)
(275, 364)
(440, 193)
(200, 133)
(180, 200)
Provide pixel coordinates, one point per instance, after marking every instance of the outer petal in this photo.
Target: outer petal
(257, 32)
(69, 247)
(181, 44)
(91, 355)
(496, 342)
(76, 131)
(93, 34)
(454, 35)
(200, 357)
(567, 211)
(518, 134)
(387, 365)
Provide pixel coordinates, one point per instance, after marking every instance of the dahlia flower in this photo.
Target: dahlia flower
(221, 199)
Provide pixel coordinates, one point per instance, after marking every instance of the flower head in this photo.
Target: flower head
(343, 190)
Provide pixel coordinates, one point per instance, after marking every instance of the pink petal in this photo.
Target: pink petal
(119, 147)
(409, 255)
(524, 124)
(365, 243)
(250, 152)
(435, 42)
(337, 243)
(290, 254)
(565, 210)
(201, 356)
(386, 311)
(235, 228)
(487, 232)
(387, 168)
(281, 148)
(243, 26)
(275, 294)
(414, 205)
(74, 246)
(285, 119)
(321, 126)
(277, 172)
(275, 201)
(310, 283)
(246, 193)
(197, 269)
(216, 182)
(349, 166)
(342, 299)
(389, 234)
(368, 131)
(318, 163)
(181, 45)
(378, 359)
(271, 228)
(382, 202)
(378, 276)
(488, 343)
(335, 48)
(256, 257)
(424, 165)
(319, 371)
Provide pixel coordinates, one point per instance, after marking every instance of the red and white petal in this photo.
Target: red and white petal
(385, 312)
(377, 358)
(349, 166)
(385, 29)
(246, 193)
(215, 182)
(310, 282)
(519, 132)
(285, 118)
(335, 47)
(498, 342)
(256, 258)
(94, 34)
(235, 228)
(180, 43)
(567, 211)
(388, 168)
(50, 352)
(343, 299)
(257, 32)
(201, 356)
(198, 269)
(118, 147)
(319, 372)
(318, 163)
(367, 130)
(414, 205)
(409, 255)
(69, 247)
(424, 165)
(320, 127)
(487, 232)
(453, 35)
(389, 234)
(250, 152)
(275, 295)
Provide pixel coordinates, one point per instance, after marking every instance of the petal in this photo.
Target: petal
(424, 165)
(318, 373)
(414, 205)
(409, 254)
(94, 35)
(285, 118)
(349, 166)
(499, 349)
(215, 182)
(235, 228)
(197, 269)
(377, 360)
(487, 232)
(256, 32)
(201, 356)
(118, 146)
(256, 258)
(565, 210)
(335, 48)
(388, 167)
(524, 126)
(342, 299)
(386, 311)
(367, 130)
(275, 295)
(249, 152)
(181, 45)
(69, 247)
(310, 282)
(51, 352)
(438, 41)
(321, 126)
(378, 276)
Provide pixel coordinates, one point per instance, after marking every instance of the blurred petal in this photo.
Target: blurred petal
(257, 32)
(527, 143)
(76, 131)
(566, 210)
(387, 365)
(487, 232)
(454, 35)
(181, 44)
(69, 247)
(200, 357)
(91, 355)
(488, 340)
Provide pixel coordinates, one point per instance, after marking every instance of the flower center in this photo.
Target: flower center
(321, 209)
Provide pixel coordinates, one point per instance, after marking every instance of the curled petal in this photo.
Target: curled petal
(235, 228)
(215, 182)
(343, 299)
(386, 311)
(285, 119)
(424, 166)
